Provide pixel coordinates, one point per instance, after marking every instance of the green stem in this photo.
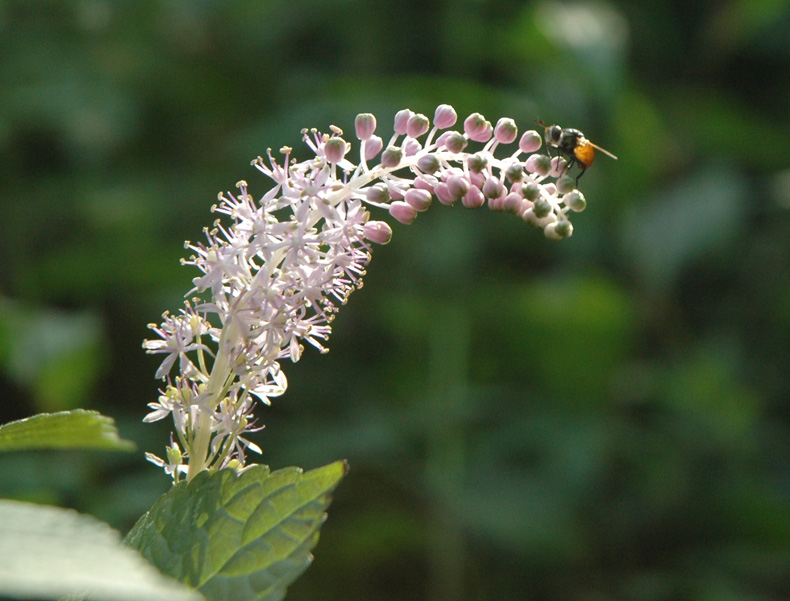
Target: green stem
(220, 370)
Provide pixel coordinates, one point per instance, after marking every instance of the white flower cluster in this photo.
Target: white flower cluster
(277, 274)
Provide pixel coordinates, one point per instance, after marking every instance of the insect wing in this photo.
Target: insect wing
(603, 150)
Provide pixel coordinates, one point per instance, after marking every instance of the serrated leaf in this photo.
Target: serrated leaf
(239, 537)
(47, 553)
(77, 429)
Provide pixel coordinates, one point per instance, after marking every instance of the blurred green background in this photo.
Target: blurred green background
(600, 419)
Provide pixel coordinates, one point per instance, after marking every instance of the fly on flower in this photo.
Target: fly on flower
(572, 144)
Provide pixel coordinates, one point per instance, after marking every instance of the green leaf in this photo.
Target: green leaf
(239, 537)
(47, 552)
(77, 429)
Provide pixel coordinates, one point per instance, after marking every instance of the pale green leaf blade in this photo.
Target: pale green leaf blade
(239, 538)
(48, 552)
(76, 429)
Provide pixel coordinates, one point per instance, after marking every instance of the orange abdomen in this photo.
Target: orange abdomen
(584, 153)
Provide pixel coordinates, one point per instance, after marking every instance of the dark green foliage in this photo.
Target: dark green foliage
(601, 419)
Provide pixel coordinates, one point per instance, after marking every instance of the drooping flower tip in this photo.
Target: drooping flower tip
(365, 125)
(263, 297)
(445, 116)
(477, 128)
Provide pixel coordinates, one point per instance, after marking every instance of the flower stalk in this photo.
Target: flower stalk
(277, 274)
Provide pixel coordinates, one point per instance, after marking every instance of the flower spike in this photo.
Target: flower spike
(274, 271)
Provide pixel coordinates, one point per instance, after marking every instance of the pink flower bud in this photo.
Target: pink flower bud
(419, 199)
(444, 117)
(396, 193)
(335, 149)
(513, 203)
(542, 208)
(428, 163)
(497, 204)
(477, 162)
(373, 146)
(377, 231)
(417, 125)
(426, 182)
(402, 121)
(378, 193)
(477, 128)
(565, 184)
(403, 212)
(477, 179)
(457, 186)
(530, 141)
(365, 125)
(452, 141)
(493, 188)
(530, 190)
(473, 199)
(515, 172)
(538, 163)
(411, 147)
(506, 131)
(443, 194)
(391, 157)
(558, 165)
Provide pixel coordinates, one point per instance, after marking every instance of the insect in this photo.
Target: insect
(571, 144)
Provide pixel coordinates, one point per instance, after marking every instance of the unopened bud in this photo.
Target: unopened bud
(402, 121)
(365, 125)
(506, 131)
(530, 141)
(477, 128)
(335, 149)
(417, 125)
(377, 231)
(403, 212)
(445, 116)
(391, 157)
